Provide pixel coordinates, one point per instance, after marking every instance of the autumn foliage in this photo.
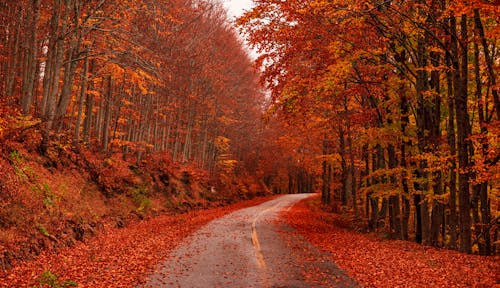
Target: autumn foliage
(391, 110)
(117, 110)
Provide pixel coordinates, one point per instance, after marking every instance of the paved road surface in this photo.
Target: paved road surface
(248, 248)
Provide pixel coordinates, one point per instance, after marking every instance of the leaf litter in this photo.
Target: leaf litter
(117, 257)
(375, 262)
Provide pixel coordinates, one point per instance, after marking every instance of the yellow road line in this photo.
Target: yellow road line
(256, 244)
(255, 238)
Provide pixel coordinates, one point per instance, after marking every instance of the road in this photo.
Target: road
(249, 248)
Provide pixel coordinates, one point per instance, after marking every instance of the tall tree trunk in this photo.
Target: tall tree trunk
(67, 88)
(344, 172)
(489, 61)
(89, 106)
(107, 114)
(481, 189)
(437, 216)
(405, 120)
(451, 135)
(364, 173)
(460, 93)
(423, 134)
(81, 100)
(352, 172)
(14, 55)
(50, 92)
(394, 207)
(31, 65)
(325, 188)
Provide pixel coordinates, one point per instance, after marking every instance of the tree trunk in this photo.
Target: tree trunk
(423, 135)
(451, 136)
(107, 114)
(325, 190)
(344, 173)
(460, 93)
(31, 65)
(404, 144)
(394, 207)
(12, 67)
(364, 173)
(489, 61)
(481, 189)
(69, 75)
(352, 172)
(89, 106)
(83, 93)
(50, 92)
(437, 216)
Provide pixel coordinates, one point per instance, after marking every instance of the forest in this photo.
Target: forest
(116, 108)
(395, 111)
(116, 111)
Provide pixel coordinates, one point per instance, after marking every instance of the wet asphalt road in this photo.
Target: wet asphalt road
(249, 248)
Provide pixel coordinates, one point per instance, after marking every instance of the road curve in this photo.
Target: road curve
(248, 248)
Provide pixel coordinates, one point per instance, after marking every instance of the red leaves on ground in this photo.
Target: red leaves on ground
(386, 263)
(118, 257)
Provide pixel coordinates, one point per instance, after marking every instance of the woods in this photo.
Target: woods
(116, 111)
(113, 112)
(394, 108)
(130, 76)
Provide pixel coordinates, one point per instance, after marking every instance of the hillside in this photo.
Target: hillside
(68, 196)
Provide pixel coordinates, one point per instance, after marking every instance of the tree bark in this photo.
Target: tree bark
(325, 188)
(489, 61)
(481, 189)
(460, 95)
(81, 100)
(344, 172)
(12, 67)
(352, 172)
(52, 88)
(31, 59)
(70, 67)
(107, 114)
(89, 106)
(451, 132)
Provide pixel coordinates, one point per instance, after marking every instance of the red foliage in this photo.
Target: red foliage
(118, 257)
(386, 263)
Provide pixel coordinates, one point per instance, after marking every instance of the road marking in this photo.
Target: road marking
(255, 241)
(255, 238)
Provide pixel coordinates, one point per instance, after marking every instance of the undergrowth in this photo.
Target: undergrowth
(48, 279)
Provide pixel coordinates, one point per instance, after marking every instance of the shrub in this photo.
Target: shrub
(49, 279)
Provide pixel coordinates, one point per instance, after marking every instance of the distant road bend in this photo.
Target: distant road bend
(247, 248)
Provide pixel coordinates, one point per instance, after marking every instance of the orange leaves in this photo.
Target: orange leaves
(118, 257)
(386, 263)
(222, 144)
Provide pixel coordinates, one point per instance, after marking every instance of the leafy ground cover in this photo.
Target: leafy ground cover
(117, 257)
(376, 262)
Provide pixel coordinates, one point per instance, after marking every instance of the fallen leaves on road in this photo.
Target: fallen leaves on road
(118, 257)
(387, 263)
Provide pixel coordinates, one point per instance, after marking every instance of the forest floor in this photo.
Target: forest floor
(119, 257)
(377, 262)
